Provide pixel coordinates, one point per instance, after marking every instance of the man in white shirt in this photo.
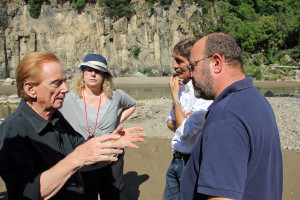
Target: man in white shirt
(186, 119)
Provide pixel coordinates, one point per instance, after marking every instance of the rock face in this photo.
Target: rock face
(71, 35)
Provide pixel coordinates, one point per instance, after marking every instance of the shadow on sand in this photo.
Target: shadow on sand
(132, 182)
(3, 195)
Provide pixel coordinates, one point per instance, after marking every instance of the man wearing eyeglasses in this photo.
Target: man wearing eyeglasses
(186, 118)
(238, 155)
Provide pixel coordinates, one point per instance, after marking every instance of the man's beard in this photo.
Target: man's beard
(203, 89)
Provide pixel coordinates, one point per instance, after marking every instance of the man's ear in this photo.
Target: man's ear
(218, 63)
(29, 89)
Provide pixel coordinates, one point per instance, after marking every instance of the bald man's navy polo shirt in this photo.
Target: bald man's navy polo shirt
(238, 154)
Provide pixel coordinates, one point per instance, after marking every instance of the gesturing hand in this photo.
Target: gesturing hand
(128, 136)
(97, 149)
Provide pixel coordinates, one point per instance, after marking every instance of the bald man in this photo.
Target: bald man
(238, 154)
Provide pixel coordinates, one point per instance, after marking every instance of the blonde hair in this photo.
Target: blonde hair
(30, 70)
(77, 84)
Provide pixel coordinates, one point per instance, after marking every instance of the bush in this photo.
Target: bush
(136, 51)
(269, 59)
(148, 4)
(274, 71)
(283, 61)
(101, 3)
(258, 74)
(295, 53)
(274, 77)
(253, 71)
(258, 59)
(248, 70)
(35, 8)
(78, 4)
(147, 71)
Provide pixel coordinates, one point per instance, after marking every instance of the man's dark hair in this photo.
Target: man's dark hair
(184, 47)
(225, 46)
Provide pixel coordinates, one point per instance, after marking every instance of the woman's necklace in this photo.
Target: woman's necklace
(87, 124)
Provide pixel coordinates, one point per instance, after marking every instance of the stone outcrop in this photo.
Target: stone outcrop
(71, 35)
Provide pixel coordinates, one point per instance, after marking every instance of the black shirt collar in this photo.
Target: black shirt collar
(37, 122)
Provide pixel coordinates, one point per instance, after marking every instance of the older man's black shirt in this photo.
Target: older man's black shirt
(30, 145)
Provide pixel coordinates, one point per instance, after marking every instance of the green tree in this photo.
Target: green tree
(257, 26)
(35, 8)
(118, 8)
(246, 12)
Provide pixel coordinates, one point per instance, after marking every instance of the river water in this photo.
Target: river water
(152, 93)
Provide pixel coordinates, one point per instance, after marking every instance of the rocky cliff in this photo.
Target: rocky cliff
(71, 35)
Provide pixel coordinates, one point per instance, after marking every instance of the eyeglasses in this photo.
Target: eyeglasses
(191, 66)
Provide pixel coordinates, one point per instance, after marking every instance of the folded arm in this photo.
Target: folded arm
(192, 125)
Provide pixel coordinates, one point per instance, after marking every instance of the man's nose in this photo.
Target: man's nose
(175, 64)
(64, 88)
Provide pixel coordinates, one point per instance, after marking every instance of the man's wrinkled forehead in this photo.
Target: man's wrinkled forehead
(52, 68)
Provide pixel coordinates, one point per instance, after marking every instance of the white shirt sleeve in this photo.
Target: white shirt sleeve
(200, 104)
(192, 125)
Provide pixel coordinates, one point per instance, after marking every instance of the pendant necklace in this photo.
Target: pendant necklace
(87, 124)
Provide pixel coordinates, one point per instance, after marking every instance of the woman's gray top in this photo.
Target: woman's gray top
(74, 112)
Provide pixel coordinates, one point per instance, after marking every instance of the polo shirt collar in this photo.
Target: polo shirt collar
(37, 122)
(234, 87)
